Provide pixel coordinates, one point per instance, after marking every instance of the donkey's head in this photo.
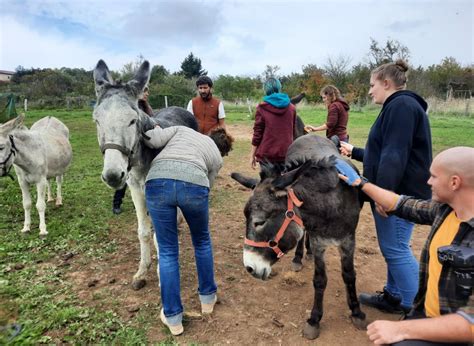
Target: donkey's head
(273, 225)
(118, 121)
(7, 144)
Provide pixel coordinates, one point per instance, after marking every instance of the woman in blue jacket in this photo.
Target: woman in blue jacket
(397, 157)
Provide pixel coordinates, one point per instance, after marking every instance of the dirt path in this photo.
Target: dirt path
(250, 311)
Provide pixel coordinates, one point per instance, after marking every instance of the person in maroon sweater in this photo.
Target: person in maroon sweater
(338, 114)
(274, 124)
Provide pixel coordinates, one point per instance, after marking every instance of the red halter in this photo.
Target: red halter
(290, 215)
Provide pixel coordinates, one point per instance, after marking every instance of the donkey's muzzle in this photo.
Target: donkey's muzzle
(115, 180)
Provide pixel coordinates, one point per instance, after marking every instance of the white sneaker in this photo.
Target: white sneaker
(176, 329)
(207, 309)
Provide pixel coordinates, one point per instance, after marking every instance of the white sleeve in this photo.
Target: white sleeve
(221, 111)
(190, 107)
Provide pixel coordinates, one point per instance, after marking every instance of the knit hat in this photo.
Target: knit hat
(271, 86)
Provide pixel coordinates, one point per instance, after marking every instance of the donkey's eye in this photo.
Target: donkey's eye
(258, 225)
(134, 121)
(1, 148)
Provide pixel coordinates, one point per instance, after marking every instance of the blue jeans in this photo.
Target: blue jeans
(163, 197)
(393, 234)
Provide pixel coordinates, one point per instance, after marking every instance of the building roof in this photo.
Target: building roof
(7, 72)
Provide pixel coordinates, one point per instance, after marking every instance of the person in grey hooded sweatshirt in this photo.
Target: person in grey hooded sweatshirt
(274, 125)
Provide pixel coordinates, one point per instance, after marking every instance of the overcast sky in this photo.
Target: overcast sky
(236, 37)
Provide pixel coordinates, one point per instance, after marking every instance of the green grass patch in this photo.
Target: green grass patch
(37, 297)
(38, 300)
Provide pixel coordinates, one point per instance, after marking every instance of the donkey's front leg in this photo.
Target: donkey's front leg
(41, 204)
(296, 263)
(346, 250)
(311, 330)
(26, 198)
(144, 236)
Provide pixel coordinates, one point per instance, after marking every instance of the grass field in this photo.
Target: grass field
(33, 293)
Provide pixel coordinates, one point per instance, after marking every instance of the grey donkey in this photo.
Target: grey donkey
(121, 127)
(38, 154)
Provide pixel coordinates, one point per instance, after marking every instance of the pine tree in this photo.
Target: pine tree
(191, 67)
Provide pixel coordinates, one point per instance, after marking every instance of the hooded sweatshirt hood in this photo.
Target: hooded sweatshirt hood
(278, 100)
(343, 104)
(409, 93)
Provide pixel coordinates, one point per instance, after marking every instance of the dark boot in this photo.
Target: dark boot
(383, 301)
(117, 202)
(116, 210)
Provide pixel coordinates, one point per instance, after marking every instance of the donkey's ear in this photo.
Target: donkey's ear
(141, 78)
(102, 77)
(290, 178)
(12, 124)
(245, 181)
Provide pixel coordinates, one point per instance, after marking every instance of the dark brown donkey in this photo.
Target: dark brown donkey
(308, 197)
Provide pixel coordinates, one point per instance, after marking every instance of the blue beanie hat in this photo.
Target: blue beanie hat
(271, 86)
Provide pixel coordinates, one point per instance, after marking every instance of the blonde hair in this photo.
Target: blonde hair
(331, 92)
(395, 71)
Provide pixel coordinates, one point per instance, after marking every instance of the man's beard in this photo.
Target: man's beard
(205, 96)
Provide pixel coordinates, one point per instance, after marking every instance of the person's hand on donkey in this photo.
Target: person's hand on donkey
(348, 174)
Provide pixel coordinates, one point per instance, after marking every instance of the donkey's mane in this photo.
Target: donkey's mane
(325, 162)
(270, 170)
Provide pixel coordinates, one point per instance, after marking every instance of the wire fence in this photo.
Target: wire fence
(455, 106)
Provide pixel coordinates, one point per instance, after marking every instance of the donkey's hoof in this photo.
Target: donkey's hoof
(310, 332)
(359, 323)
(296, 267)
(138, 284)
(43, 234)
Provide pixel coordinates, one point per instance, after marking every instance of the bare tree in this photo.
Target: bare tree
(337, 70)
(392, 51)
(270, 71)
(128, 70)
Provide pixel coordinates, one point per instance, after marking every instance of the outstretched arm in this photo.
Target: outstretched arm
(310, 128)
(385, 198)
(448, 328)
(159, 137)
(415, 210)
